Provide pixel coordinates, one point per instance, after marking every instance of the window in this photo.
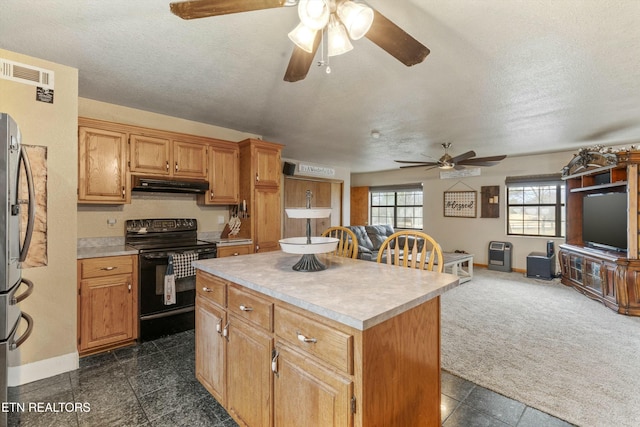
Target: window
(400, 207)
(535, 206)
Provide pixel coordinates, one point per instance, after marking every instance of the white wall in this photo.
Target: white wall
(473, 234)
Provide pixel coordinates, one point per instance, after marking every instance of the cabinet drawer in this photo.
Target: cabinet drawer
(211, 287)
(106, 266)
(224, 251)
(330, 345)
(250, 307)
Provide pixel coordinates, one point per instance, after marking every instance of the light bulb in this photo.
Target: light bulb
(357, 18)
(303, 37)
(338, 39)
(314, 13)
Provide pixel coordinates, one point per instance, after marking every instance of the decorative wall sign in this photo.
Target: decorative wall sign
(460, 203)
(490, 201)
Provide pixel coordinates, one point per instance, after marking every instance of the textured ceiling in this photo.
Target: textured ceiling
(503, 77)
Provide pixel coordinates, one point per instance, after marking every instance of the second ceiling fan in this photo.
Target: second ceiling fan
(341, 19)
(457, 162)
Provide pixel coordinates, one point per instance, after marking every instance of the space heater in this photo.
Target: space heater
(500, 256)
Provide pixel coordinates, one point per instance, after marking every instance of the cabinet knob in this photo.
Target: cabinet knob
(167, 164)
(111, 268)
(205, 289)
(245, 308)
(236, 254)
(176, 166)
(123, 192)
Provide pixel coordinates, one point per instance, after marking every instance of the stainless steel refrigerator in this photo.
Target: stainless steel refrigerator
(14, 244)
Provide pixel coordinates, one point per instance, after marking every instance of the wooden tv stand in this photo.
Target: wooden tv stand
(610, 277)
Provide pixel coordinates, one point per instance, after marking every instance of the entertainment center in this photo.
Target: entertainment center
(600, 257)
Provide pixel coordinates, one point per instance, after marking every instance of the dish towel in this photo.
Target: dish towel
(170, 284)
(182, 264)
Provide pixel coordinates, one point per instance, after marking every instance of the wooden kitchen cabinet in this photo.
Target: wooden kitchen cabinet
(110, 153)
(166, 157)
(224, 178)
(235, 250)
(307, 393)
(211, 332)
(102, 166)
(107, 303)
(286, 366)
(260, 178)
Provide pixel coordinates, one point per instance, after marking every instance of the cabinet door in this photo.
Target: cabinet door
(189, 159)
(106, 311)
(223, 175)
(267, 219)
(150, 155)
(307, 394)
(249, 377)
(102, 166)
(267, 166)
(210, 347)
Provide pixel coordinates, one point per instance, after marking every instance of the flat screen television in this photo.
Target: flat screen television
(604, 221)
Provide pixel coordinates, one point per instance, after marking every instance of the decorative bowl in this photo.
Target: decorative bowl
(299, 245)
(308, 212)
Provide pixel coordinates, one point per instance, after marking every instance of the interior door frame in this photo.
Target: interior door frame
(337, 193)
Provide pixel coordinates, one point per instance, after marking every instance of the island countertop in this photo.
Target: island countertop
(357, 293)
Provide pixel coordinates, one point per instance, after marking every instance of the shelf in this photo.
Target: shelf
(599, 186)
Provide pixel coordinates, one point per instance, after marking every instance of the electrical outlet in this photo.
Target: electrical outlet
(111, 222)
(220, 219)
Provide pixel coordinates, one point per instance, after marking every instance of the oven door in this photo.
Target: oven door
(153, 267)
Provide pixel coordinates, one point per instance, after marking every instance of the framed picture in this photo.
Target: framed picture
(460, 204)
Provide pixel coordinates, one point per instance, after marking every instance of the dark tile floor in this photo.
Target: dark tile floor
(153, 384)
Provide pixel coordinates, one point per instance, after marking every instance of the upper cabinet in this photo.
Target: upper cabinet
(109, 153)
(260, 175)
(224, 181)
(162, 156)
(102, 166)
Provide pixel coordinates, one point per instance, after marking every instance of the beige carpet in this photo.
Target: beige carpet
(546, 345)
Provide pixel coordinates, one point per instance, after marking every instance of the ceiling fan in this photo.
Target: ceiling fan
(457, 162)
(342, 20)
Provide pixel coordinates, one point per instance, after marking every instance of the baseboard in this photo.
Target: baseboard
(23, 374)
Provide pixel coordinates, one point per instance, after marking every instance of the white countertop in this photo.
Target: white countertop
(357, 293)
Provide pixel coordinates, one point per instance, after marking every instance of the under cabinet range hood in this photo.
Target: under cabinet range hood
(140, 183)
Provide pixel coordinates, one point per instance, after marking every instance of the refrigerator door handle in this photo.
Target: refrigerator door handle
(17, 343)
(16, 299)
(24, 249)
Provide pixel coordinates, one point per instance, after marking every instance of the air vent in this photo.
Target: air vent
(28, 74)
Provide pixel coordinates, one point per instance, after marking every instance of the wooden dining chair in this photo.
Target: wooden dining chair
(413, 249)
(348, 244)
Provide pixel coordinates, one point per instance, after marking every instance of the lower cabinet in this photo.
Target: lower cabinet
(107, 303)
(235, 250)
(270, 363)
(249, 372)
(306, 393)
(210, 347)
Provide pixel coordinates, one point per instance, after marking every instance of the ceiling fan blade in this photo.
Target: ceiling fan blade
(301, 61)
(396, 41)
(478, 160)
(461, 157)
(428, 165)
(204, 8)
(417, 163)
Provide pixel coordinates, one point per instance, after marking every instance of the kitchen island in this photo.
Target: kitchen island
(357, 344)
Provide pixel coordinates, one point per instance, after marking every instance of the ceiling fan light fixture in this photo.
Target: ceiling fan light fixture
(337, 38)
(314, 13)
(303, 37)
(356, 17)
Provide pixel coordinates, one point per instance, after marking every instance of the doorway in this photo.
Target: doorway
(325, 193)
